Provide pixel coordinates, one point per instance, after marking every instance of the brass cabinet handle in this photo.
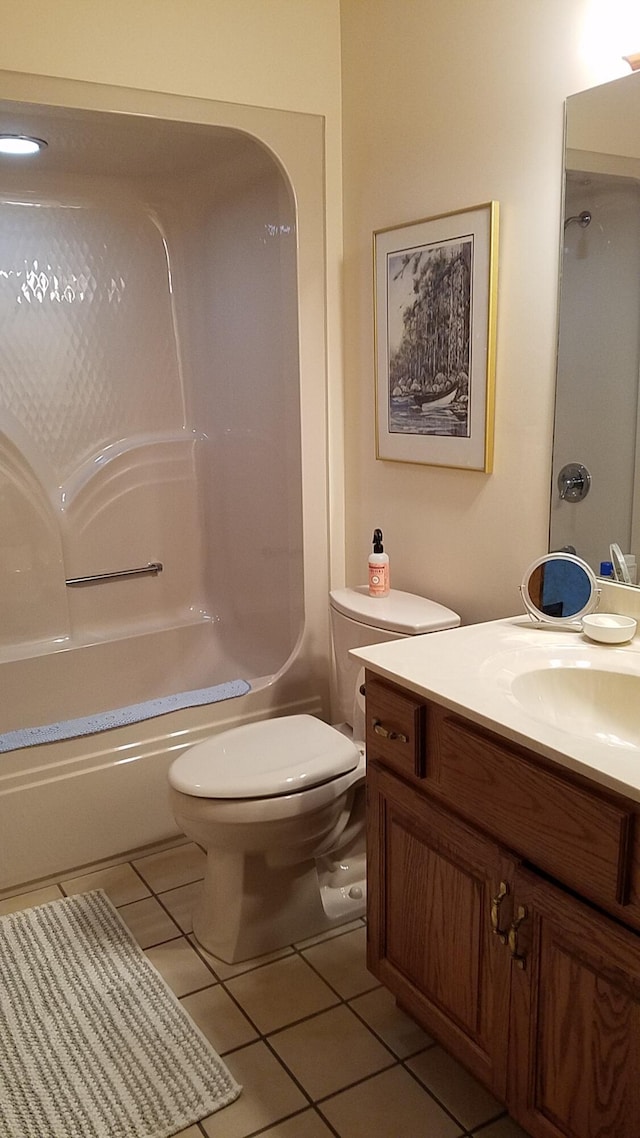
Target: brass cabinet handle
(519, 957)
(496, 903)
(396, 735)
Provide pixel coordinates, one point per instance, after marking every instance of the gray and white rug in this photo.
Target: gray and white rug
(93, 1043)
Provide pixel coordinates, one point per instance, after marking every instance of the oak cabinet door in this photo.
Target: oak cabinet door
(575, 1032)
(436, 889)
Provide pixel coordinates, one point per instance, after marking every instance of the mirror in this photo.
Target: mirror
(559, 589)
(595, 491)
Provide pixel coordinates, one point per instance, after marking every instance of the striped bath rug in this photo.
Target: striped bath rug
(93, 1044)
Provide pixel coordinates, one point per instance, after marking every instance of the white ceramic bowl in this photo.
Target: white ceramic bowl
(609, 627)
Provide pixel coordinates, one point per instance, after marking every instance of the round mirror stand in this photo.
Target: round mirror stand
(558, 590)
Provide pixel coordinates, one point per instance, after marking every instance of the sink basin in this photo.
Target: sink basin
(590, 702)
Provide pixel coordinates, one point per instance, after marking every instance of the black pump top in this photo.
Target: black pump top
(377, 541)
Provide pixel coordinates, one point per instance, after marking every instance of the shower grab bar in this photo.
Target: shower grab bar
(153, 567)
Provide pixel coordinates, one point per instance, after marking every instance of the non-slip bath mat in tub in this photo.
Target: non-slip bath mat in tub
(135, 713)
(93, 1043)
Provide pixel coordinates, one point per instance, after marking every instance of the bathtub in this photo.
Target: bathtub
(163, 397)
(59, 683)
(73, 802)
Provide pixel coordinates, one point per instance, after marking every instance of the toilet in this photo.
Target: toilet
(278, 805)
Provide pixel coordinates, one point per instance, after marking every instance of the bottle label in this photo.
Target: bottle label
(378, 580)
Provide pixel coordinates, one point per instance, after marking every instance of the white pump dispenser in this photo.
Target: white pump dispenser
(378, 568)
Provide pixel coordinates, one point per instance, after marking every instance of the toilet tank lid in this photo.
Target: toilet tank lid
(263, 760)
(397, 612)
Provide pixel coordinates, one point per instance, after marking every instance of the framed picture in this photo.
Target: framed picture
(435, 332)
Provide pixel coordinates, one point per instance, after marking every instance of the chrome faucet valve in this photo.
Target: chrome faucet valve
(574, 482)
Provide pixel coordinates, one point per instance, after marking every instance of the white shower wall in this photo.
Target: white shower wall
(149, 396)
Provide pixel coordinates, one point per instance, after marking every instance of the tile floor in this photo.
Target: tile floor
(318, 1045)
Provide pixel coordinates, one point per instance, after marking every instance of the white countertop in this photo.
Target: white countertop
(471, 670)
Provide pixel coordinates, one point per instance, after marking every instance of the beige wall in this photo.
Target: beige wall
(268, 53)
(448, 104)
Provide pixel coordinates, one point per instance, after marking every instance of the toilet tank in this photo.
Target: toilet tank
(358, 620)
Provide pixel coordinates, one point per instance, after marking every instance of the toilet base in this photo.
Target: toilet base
(248, 907)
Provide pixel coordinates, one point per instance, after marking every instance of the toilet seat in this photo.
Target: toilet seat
(268, 759)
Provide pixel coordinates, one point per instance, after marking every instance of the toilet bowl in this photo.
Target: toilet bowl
(272, 803)
(278, 805)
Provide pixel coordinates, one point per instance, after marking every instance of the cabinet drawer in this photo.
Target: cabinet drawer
(395, 727)
(578, 836)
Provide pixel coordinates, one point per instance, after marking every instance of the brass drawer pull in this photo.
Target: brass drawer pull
(395, 735)
(519, 957)
(496, 903)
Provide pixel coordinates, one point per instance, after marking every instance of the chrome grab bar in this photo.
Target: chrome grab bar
(153, 567)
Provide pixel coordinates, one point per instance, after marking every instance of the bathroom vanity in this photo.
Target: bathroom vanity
(504, 863)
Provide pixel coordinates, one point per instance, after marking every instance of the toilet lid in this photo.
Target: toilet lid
(399, 612)
(263, 760)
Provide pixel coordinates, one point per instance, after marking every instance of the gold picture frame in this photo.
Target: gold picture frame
(436, 286)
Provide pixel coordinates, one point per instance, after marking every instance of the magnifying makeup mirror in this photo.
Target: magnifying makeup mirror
(558, 590)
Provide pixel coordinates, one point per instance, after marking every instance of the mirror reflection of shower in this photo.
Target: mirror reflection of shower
(597, 405)
(583, 219)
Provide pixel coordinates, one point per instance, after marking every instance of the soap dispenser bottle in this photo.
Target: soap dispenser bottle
(378, 568)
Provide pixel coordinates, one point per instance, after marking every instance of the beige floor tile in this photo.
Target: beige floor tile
(305, 1125)
(281, 993)
(329, 934)
(397, 1030)
(390, 1105)
(268, 1095)
(342, 962)
(219, 1019)
(503, 1128)
(28, 900)
(148, 922)
(120, 883)
(192, 1132)
(171, 868)
(330, 1051)
(226, 971)
(180, 966)
(455, 1087)
(181, 902)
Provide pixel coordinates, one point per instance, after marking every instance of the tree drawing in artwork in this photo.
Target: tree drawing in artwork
(429, 318)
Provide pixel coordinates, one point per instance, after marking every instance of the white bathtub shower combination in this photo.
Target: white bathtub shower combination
(155, 406)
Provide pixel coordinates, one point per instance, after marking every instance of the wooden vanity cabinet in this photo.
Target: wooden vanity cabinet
(430, 885)
(477, 924)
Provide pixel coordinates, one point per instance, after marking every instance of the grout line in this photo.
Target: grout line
(356, 1083)
(401, 1058)
(477, 1133)
(158, 898)
(236, 975)
(141, 878)
(375, 984)
(447, 1110)
(270, 1126)
(37, 883)
(326, 1122)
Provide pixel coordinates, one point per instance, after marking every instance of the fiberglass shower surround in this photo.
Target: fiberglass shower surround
(149, 402)
(163, 398)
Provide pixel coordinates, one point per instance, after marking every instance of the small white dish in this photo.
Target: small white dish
(609, 627)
